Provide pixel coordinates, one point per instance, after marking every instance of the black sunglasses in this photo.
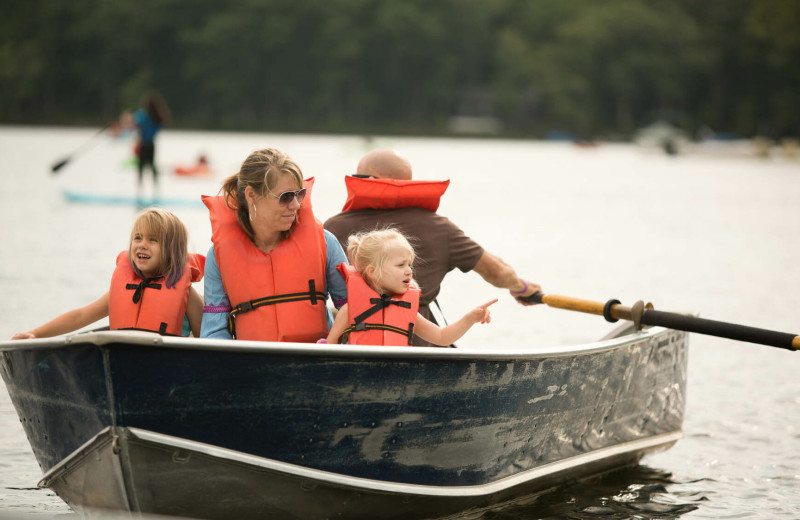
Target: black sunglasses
(287, 197)
(362, 176)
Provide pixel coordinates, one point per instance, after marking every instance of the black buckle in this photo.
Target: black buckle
(312, 292)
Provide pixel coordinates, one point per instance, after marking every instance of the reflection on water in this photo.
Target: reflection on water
(638, 492)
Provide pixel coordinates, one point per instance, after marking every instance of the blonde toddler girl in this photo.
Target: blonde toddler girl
(383, 298)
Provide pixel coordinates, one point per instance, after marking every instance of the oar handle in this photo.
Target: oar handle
(644, 314)
(532, 298)
(611, 310)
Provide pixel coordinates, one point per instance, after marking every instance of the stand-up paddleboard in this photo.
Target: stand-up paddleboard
(110, 199)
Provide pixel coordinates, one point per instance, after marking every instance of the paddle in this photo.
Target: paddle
(644, 314)
(82, 148)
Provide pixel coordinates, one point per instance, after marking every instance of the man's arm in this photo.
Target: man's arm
(497, 272)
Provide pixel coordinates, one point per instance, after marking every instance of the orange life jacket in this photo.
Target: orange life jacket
(148, 304)
(392, 194)
(275, 296)
(377, 319)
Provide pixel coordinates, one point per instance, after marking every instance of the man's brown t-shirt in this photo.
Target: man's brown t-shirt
(440, 246)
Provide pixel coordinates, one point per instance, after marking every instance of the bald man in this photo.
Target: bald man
(440, 245)
(384, 164)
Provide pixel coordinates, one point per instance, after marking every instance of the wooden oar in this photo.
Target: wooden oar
(82, 148)
(644, 314)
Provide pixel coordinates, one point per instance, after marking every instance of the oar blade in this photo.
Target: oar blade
(60, 164)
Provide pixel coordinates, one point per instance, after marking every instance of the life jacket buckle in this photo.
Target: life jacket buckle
(246, 306)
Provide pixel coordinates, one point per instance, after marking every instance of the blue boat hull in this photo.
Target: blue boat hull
(465, 427)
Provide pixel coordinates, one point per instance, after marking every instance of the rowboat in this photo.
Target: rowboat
(215, 429)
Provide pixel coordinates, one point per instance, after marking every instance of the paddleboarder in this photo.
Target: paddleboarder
(148, 121)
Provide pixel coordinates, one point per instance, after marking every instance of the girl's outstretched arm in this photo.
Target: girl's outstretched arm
(339, 324)
(194, 311)
(69, 321)
(444, 336)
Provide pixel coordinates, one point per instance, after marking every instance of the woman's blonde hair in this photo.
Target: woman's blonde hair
(372, 248)
(173, 238)
(260, 171)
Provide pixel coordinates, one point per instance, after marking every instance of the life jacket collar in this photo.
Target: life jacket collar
(392, 194)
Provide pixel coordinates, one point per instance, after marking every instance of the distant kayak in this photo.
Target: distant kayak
(110, 199)
(196, 170)
(200, 168)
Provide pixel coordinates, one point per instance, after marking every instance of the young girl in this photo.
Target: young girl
(151, 288)
(383, 298)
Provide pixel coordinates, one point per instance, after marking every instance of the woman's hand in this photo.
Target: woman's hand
(23, 335)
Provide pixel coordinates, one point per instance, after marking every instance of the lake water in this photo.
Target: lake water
(715, 234)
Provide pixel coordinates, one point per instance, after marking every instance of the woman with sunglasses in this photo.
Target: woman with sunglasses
(271, 267)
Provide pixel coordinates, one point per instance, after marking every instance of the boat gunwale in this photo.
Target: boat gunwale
(108, 339)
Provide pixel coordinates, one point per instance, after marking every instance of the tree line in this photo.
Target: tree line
(593, 69)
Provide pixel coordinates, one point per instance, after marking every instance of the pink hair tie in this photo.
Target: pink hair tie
(323, 340)
(524, 289)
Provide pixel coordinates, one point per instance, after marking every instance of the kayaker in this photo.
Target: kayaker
(272, 266)
(382, 193)
(200, 168)
(151, 288)
(383, 298)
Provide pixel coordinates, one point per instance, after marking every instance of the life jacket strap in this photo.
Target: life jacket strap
(138, 288)
(379, 304)
(312, 295)
(376, 326)
(162, 330)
